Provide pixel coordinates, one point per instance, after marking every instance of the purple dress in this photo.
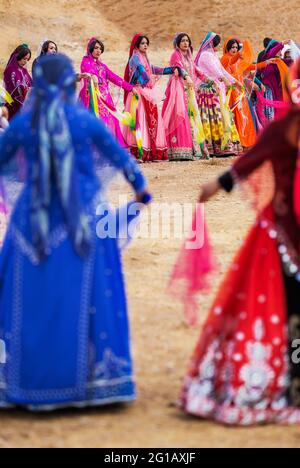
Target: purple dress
(270, 75)
(17, 82)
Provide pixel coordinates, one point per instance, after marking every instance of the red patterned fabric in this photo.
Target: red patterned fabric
(240, 371)
(152, 120)
(238, 374)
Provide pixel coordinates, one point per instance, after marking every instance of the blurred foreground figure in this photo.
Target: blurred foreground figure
(245, 369)
(64, 337)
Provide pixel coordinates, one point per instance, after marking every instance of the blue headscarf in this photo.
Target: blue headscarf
(271, 44)
(54, 85)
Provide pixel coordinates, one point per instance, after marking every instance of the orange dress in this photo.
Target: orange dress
(239, 65)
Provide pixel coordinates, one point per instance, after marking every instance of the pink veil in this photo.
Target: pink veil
(192, 269)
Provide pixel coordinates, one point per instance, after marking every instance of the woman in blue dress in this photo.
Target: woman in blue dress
(64, 337)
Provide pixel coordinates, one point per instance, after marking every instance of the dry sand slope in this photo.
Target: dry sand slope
(71, 23)
(161, 343)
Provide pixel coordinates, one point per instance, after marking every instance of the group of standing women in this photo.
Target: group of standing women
(177, 132)
(211, 107)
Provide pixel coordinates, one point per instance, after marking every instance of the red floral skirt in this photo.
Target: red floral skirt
(239, 372)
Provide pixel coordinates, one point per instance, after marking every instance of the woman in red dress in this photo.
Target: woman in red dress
(245, 366)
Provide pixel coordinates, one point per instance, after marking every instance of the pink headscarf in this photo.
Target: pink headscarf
(88, 65)
(187, 61)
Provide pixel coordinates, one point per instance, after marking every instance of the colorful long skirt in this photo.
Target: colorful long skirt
(182, 144)
(152, 129)
(241, 371)
(221, 134)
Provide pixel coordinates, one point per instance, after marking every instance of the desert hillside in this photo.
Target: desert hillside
(70, 24)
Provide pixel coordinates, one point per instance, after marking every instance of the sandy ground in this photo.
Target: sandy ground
(162, 344)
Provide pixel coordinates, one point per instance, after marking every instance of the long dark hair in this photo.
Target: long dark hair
(22, 51)
(231, 44)
(45, 47)
(266, 41)
(216, 40)
(139, 41)
(180, 37)
(93, 45)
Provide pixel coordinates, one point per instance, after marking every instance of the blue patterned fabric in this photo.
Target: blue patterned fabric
(64, 335)
(140, 75)
(54, 81)
(269, 111)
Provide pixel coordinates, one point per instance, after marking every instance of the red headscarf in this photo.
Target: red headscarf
(135, 38)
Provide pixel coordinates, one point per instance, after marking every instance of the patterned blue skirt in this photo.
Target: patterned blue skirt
(64, 336)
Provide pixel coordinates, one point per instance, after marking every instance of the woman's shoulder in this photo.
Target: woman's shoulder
(9, 69)
(176, 58)
(86, 58)
(134, 59)
(207, 52)
(87, 61)
(105, 68)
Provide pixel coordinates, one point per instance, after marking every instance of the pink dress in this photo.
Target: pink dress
(143, 76)
(180, 138)
(105, 77)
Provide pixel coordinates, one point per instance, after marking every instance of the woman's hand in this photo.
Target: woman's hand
(263, 88)
(4, 112)
(176, 72)
(189, 82)
(135, 91)
(143, 197)
(239, 85)
(95, 80)
(209, 190)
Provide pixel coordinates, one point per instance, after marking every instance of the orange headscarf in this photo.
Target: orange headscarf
(237, 64)
(284, 73)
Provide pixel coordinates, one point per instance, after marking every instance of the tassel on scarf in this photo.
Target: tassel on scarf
(195, 119)
(5, 96)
